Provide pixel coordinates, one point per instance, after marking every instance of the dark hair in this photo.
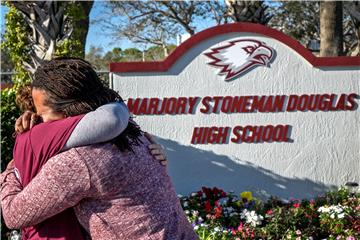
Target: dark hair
(73, 87)
(24, 99)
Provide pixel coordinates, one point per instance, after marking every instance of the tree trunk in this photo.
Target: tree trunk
(81, 26)
(248, 11)
(166, 53)
(46, 19)
(331, 29)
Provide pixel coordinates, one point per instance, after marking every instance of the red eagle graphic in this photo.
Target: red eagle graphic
(238, 56)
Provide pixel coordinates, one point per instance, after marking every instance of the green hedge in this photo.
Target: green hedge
(9, 113)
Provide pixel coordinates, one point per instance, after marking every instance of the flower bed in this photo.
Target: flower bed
(215, 214)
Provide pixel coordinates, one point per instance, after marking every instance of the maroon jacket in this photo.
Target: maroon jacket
(31, 151)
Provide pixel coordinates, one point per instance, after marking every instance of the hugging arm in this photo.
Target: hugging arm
(105, 123)
(101, 125)
(62, 182)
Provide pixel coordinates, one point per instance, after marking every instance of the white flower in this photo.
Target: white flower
(323, 209)
(204, 225)
(334, 211)
(229, 209)
(196, 227)
(187, 212)
(217, 229)
(194, 213)
(223, 201)
(194, 194)
(200, 219)
(180, 196)
(243, 214)
(186, 204)
(251, 217)
(14, 235)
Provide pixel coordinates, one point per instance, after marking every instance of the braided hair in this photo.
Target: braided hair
(73, 88)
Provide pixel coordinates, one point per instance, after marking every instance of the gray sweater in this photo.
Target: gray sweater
(101, 125)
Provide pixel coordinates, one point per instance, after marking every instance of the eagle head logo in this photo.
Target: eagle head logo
(239, 56)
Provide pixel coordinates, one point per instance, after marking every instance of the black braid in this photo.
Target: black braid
(74, 88)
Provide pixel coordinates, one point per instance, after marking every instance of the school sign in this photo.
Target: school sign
(245, 107)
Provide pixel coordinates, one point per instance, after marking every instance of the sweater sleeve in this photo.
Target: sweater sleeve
(62, 182)
(101, 125)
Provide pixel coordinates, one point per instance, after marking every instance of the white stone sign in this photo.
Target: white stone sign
(245, 107)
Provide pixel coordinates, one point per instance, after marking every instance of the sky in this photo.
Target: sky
(97, 36)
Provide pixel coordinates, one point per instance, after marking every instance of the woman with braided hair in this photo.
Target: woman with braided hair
(115, 188)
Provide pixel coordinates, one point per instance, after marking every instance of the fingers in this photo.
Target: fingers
(162, 159)
(150, 137)
(155, 146)
(10, 164)
(156, 149)
(158, 152)
(26, 121)
(18, 125)
(33, 121)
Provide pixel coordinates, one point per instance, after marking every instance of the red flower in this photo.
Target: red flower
(208, 207)
(269, 212)
(207, 192)
(218, 211)
(219, 192)
(296, 205)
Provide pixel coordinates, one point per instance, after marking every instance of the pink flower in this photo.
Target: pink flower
(298, 232)
(296, 205)
(269, 212)
(240, 228)
(350, 238)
